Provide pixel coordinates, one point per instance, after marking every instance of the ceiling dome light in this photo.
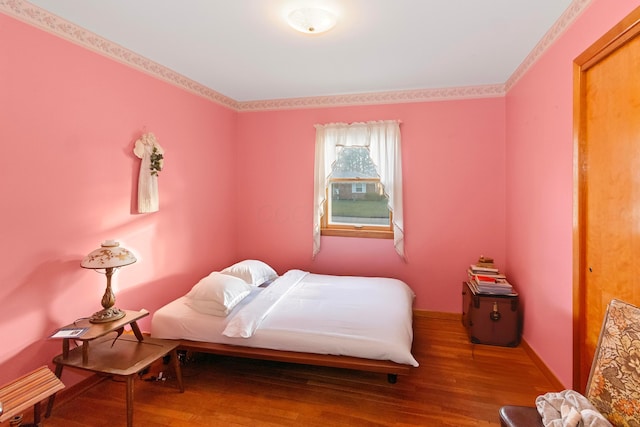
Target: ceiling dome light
(311, 20)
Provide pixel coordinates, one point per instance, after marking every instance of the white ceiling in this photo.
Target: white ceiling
(244, 50)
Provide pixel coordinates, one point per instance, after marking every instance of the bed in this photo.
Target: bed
(247, 310)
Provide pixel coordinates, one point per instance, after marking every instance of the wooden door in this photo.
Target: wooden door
(608, 197)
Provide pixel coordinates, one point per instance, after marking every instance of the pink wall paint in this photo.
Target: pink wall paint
(540, 187)
(453, 165)
(68, 122)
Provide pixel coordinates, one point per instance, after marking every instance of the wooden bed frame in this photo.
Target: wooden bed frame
(388, 367)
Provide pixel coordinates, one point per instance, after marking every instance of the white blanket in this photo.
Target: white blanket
(569, 408)
(245, 322)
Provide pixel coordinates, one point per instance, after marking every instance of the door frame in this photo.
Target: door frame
(624, 31)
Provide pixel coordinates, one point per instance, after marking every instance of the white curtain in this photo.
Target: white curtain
(383, 140)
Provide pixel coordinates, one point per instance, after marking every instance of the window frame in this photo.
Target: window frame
(345, 230)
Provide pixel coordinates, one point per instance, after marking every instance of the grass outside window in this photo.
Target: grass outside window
(357, 213)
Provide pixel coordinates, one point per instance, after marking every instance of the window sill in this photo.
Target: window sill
(352, 232)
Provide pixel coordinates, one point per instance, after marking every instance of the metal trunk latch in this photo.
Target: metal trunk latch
(495, 313)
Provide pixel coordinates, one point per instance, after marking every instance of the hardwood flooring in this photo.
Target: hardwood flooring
(457, 384)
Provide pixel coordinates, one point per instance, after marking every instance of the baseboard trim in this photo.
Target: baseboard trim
(437, 315)
(557, 384)
(70, 393)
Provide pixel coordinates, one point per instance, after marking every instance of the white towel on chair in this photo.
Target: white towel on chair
(569, 408)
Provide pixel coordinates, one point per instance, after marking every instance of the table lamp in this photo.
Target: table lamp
(108, 257)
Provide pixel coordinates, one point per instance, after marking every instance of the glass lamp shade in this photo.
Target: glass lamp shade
(108, 257)
(311, 20)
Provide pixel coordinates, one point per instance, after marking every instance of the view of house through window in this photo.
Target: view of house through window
(357, 196)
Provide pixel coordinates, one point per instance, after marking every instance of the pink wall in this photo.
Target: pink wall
(68, 121)
(540, 186)
(453, 165)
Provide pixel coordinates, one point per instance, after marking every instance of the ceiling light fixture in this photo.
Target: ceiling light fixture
(311, 20)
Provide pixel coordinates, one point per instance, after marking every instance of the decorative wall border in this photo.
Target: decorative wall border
(422, 95)
(38, 17)
(566, 19)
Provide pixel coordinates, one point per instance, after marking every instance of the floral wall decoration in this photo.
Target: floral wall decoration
(152, 156)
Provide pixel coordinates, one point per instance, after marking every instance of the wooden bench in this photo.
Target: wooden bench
(28, 390)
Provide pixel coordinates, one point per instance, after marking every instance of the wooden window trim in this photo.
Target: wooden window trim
(366, 231)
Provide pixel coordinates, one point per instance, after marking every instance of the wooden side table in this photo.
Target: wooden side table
(115, 354)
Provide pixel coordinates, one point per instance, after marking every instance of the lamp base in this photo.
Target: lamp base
(107, 315)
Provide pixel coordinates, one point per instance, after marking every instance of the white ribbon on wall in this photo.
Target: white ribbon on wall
(148, 198)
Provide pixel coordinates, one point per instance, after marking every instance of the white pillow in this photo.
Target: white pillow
(219, 289)
(208, 307)
(252, 271)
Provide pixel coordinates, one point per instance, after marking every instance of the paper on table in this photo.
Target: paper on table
(69, 333)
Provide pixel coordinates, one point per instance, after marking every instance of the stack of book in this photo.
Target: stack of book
(485, 278)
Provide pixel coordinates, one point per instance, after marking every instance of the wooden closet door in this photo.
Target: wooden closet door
(609, 179)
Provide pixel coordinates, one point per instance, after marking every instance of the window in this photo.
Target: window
(358, 205)
(358, 182)
(359, 187)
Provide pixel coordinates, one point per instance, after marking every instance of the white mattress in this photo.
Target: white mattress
(341, 315)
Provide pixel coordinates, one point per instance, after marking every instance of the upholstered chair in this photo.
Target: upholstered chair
(614, 382)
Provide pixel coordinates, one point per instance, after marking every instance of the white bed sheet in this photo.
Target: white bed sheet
(341, 315)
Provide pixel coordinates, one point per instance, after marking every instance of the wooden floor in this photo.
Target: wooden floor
(457, 384)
